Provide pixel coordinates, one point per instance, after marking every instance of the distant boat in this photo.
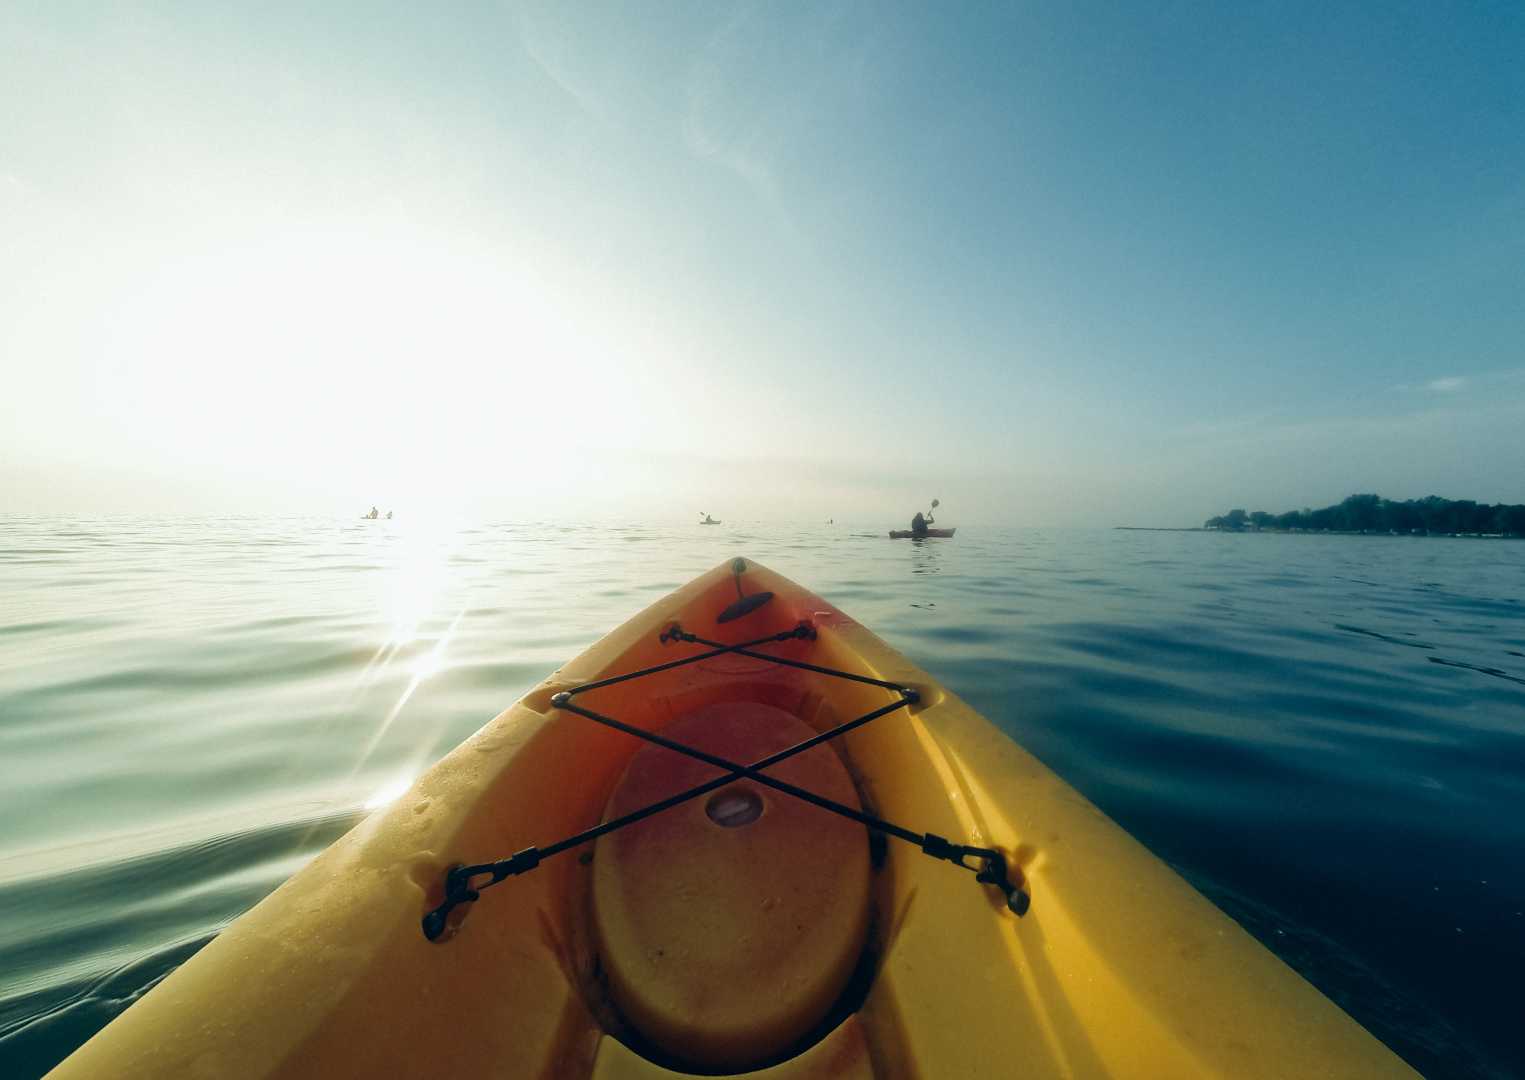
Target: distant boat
(709, 520)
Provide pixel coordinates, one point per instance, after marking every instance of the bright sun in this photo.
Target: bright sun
(359, 360)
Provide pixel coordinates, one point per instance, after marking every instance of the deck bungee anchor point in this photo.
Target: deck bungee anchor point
(462, 884)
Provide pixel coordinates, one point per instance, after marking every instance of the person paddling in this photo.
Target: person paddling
(919, 523)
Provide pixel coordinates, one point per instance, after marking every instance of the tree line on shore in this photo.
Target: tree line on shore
(1372, 513)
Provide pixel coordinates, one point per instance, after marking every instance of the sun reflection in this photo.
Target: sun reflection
(414, 585)
(426, 665)
(433, 661)
(413, 644)
(417, 580)
(388, 792)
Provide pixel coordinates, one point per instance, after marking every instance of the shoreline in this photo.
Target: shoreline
(1324, 532)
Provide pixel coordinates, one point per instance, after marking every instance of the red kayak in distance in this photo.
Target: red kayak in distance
(907, 534)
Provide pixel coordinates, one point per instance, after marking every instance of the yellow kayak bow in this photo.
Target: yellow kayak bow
(743, 928)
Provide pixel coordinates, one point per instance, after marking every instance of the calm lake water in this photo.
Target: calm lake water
(1326, 735)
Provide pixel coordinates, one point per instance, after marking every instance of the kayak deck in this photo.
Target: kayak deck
(1118, 969)
(907, 534)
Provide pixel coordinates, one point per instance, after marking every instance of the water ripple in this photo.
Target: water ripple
(1323, 733)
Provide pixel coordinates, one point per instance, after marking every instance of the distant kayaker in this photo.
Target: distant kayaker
(374, 514)
(389, 515)
(919, 523)
(709, 521)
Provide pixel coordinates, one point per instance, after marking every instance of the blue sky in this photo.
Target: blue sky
(1055, 264)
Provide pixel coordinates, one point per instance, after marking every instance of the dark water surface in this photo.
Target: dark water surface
(1324, 734)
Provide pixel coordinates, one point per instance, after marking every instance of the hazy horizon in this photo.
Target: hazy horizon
(1059, 267)
(624, 509)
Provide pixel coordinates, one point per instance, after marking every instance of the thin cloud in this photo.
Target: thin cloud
(755, 91)
(13, 198)
(551, 49)
(1449, 384)
(735, 121)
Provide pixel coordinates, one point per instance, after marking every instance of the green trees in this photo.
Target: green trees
(1372, 513)
(1360, 513)
(1234, 519)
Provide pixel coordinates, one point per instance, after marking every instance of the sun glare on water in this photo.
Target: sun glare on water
(389, 792)
(415, 641)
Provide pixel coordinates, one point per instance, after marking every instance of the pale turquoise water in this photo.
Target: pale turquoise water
(1325, 734)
